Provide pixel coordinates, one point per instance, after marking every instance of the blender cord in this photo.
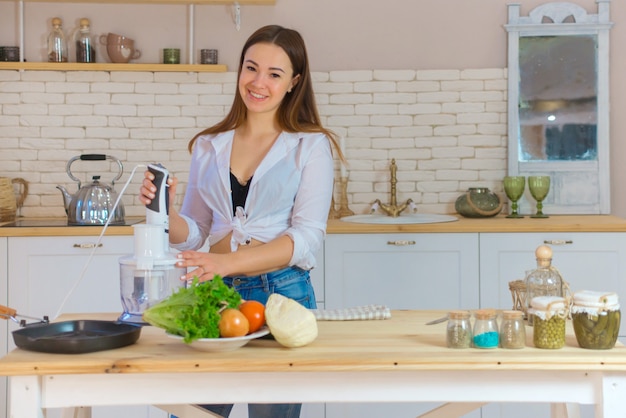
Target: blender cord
(99, 240)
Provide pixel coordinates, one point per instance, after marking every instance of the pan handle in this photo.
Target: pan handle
(6, 312)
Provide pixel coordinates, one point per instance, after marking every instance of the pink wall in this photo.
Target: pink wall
(341, 35)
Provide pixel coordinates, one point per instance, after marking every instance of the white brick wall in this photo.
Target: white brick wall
(446, 129)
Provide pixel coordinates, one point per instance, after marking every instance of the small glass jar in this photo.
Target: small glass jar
(549, 315)
(596, 319)
(485, 329)
(459, 330)
(512, 330)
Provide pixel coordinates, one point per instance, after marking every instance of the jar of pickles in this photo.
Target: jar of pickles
(485, 329)
(512, 330)
(549, 315)
(596, 318)
(459, 330)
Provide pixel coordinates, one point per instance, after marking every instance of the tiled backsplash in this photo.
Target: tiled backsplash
(445, 128)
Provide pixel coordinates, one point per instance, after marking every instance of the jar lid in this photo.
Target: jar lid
(548, 303)
(512, 314)
(593, 299)
(458, 315)
(485, 313)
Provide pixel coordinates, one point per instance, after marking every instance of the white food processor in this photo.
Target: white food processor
(150, 274)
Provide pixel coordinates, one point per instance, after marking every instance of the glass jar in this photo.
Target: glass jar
(549, 315)
(596, 318)
(459, 330)
(485, 329)
(512, 330)
(57, 44)
(545, 280)
(478, 202)
(85, 51)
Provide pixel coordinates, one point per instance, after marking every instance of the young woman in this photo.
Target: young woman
(260, 185)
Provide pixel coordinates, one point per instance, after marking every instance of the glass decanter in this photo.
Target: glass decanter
(545, 280)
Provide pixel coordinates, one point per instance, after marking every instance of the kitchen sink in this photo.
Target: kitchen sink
(414, 218)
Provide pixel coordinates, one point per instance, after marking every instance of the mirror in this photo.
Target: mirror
(558, 103)
(558, 98)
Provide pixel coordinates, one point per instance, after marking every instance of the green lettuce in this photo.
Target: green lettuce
(193, 312)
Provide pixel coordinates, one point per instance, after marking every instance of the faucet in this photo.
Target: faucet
(392, 209)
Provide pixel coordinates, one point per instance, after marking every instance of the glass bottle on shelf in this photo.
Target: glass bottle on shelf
(85, 51)
(545, 280)
(57, 44)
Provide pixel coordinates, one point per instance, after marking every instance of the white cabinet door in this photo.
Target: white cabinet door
(402, 271)
(4, 329)
(42, 271)
(586, 260)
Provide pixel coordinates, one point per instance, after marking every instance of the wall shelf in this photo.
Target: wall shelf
(184, 2)
(75, 66)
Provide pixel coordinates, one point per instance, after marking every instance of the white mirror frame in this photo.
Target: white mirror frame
(561, 198)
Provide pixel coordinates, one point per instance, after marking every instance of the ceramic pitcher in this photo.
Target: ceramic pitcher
(10, 201)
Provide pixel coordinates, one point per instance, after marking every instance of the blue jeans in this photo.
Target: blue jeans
(291, 282)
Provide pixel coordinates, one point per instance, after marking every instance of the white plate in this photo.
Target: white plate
(215, 345)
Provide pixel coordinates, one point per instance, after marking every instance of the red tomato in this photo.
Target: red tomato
(233, 324)
(254, 311)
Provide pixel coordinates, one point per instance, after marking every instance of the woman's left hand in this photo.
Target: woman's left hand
(207, 265)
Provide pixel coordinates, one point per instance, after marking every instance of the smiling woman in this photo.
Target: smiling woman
(260, 186)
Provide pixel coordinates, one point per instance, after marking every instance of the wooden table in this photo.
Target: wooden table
(396, 360)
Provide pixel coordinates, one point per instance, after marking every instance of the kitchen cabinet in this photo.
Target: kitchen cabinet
(402, 270)
(42, 271)
(586, 260)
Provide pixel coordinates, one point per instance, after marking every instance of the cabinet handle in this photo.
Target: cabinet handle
(401, 243)
(558, 241)
(87, 245)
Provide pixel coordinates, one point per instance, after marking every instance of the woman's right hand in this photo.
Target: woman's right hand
(148, 189)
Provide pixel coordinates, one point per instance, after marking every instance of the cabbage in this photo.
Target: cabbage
(291, 324)
(193, 312)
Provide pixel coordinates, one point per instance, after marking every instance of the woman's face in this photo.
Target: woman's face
(266, 76)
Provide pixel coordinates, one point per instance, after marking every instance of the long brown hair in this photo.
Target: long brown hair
(297, 111)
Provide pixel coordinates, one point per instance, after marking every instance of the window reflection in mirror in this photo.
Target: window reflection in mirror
(558, 98)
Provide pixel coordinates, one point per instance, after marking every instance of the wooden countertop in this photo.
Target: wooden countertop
(402, 343)
(555, 223)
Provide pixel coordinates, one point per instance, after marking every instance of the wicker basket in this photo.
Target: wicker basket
(10, 200)
(518, 292)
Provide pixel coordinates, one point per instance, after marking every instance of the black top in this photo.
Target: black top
(239, 192)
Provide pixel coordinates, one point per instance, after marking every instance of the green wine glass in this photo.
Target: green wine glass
(514, 189)
(539, 187)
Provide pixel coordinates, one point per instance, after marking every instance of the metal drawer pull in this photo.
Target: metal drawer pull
(401, 243)
(558, 241)
(87, 245)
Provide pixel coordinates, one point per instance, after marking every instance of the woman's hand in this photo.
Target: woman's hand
(148, 189)
(207, 265)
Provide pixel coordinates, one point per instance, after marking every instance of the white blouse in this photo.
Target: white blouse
(289, 194)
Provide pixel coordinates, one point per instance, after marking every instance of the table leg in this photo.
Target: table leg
(187, 411)
(25, 397)
(449, 410)
(613, 403)
(564, 410)
(77, 412)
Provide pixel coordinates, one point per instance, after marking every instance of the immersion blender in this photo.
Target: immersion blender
(150, 274)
